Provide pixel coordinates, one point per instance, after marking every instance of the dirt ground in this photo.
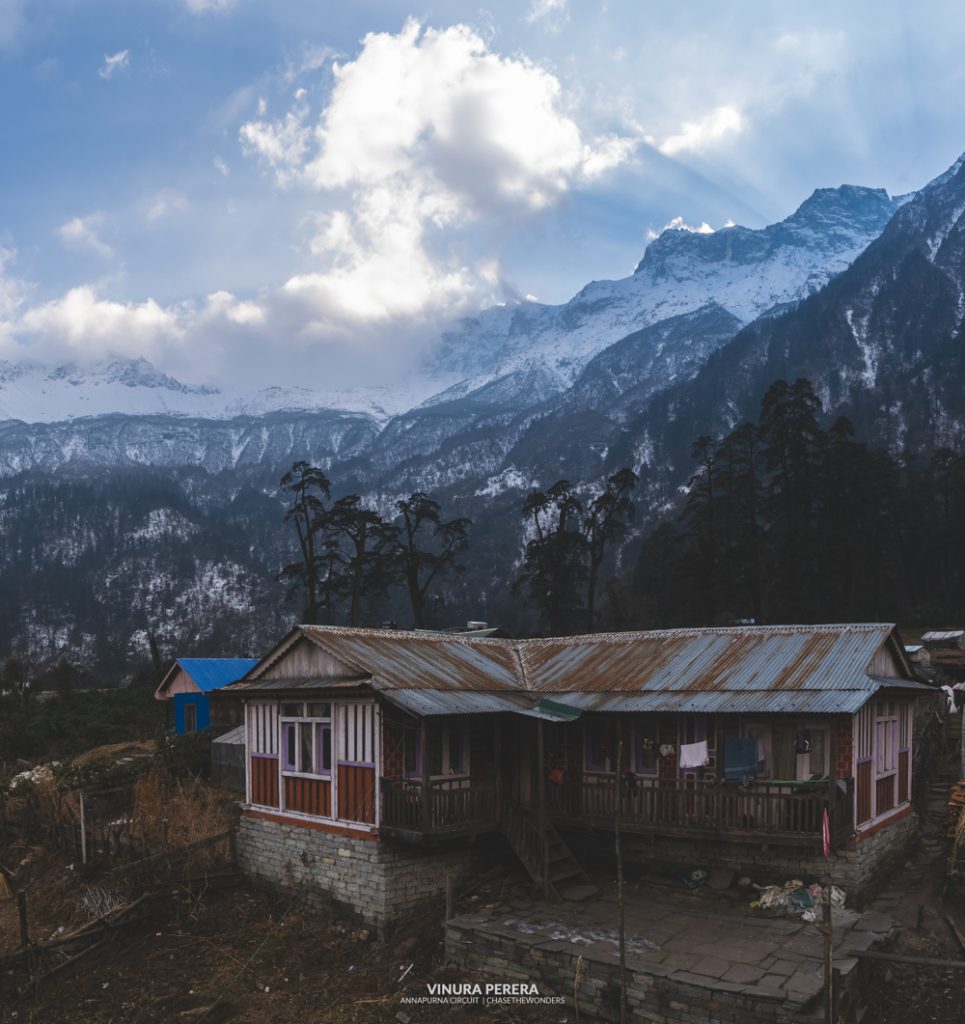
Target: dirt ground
(244, 954)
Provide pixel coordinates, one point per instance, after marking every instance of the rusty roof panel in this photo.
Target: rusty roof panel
(400, 659)
(804, 669)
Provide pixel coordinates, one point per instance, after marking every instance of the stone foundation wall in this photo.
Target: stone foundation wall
(858, 868)
(374, 879)
(651, 997)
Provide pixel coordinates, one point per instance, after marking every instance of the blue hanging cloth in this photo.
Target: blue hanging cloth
(740, 757)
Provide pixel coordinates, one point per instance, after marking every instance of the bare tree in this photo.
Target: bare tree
(424, 548)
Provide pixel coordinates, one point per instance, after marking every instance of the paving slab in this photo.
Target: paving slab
(743, 974)
(712, 966)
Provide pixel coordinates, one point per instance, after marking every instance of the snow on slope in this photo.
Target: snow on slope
(746, 271)
(35, 393)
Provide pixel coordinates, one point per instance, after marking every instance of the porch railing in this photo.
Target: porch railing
(454, 805)
(791, 810)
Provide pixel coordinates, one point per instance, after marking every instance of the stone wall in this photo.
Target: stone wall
(373, 879)
(858, 868)
(659, 995)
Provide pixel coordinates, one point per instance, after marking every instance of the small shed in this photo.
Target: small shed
(191, 684)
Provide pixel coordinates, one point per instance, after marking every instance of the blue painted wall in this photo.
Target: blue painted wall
(202, 712)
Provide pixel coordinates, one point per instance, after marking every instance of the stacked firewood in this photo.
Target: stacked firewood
(956, 807)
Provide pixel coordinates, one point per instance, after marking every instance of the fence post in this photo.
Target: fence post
(83, 830)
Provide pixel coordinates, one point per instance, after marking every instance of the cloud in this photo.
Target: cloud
(165, 202)
(679, 224)
(114, 63)
(11, 22)
(11, 288)
(208, 6)
(424, 131)
(87, 327)
(696, 136)
(83, 233)
(221, 166)
(539, 9)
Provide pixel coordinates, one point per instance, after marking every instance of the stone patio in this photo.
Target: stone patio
(688, 956)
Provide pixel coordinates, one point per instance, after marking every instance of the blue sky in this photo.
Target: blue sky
(224, 185)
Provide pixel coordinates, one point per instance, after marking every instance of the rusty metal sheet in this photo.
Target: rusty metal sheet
(778, 669)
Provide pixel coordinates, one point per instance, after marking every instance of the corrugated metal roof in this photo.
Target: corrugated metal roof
(943, 634)
(426, 703)
(212, 673)
(789, 669)
(686, 660)
(234, 737)
(402, 660)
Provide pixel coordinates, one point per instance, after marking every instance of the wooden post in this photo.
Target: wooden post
(83, 831)
(829, 994)
(719, 768)
(541, 791)
(22, 911)
(498, 764)
(426, 794)
(618, 849)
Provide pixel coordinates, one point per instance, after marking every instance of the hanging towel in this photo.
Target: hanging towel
(740, 757)
(693, 755)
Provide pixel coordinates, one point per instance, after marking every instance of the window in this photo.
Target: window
(190, 718)
(597, 747)
(794, 750)
(306, 739)
(886, 737)
(645, 736)
(448, 750)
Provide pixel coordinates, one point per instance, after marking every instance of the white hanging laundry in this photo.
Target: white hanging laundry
(694, 755)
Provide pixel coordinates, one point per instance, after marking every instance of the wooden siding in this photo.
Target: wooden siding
(308, 796)
(356, 793)
(303, 660)
(903, 776)
(263, 728)
(884, 795)
(863, 793)
(264, 780)
(884, 664)
(356, 733)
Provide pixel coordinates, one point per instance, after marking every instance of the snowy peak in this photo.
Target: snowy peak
(832, 224)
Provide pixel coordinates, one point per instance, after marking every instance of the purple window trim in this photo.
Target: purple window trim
(288, 729)
(327, 777)
(268, 757)
(356, 764)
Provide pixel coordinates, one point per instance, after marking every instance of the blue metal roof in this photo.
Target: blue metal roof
(212, 673)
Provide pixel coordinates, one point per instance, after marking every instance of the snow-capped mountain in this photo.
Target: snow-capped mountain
(35, 393)
(745, 271)
(863, 294)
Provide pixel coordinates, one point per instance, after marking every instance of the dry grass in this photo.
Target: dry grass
(171, 813)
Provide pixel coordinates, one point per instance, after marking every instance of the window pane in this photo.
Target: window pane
(319, 710)
(880, 747)
(597, 748)
(456, 752)
(783, 751)
(323, 748)
(819, 751)
(288, 741)
(646, 746)
(291, 710)
(410, 752)
(305, 763)
(435, 751)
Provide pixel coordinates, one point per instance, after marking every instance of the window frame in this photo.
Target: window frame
(447, 770)
(765, 736)
(291, 724)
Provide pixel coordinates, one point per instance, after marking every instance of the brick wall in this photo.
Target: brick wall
(375, 880)
(843, 746)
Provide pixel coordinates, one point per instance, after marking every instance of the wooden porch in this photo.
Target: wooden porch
(762, 812)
